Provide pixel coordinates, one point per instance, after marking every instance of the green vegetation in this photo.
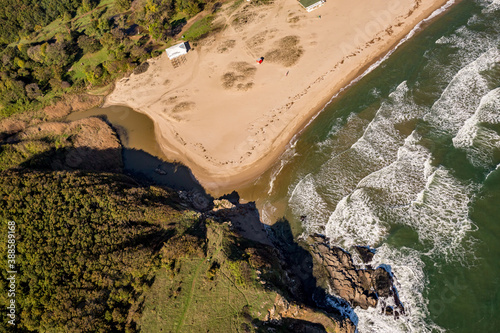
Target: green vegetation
(52, 48)
(216, 291)
(199, 29)
(97, 253)
(18, 153)
(21, 17)
(87, 247)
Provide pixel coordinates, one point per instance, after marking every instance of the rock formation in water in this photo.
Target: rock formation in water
(360, 287)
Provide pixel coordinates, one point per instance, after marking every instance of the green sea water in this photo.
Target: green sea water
(408, 161)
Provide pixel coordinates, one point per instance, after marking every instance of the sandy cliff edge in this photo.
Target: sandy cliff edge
(229, 118)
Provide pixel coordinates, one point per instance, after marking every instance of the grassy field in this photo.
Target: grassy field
(212, 293)
(199, 28)
(92, 59)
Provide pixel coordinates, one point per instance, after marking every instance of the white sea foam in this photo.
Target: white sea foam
(335, 127)
(492, 172)
(410, 282)
(384, 179)
(467, 44)
(398, 183)
(267, 213)
(343, 307)
(470, 43)
(491, 6)
(284, 159)
(478, 141)
(355, 221)
(461, 97)
(376, 148)
(306, 201)
(359, 218)
(411, 192)
(376, 64)
(440, 215)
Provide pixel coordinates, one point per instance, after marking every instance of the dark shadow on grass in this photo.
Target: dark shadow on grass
(141, 166)
(177, 25)
(287, 325)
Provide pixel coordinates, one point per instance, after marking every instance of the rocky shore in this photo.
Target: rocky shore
(363, 287)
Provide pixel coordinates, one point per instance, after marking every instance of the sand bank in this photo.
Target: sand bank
(229, 118)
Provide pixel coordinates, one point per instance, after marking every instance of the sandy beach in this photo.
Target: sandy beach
(226, 116)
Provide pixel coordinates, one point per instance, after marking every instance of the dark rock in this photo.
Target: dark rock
(382, 282)
(360, 287)
(366, 253)
(233, 198)
(389, 310)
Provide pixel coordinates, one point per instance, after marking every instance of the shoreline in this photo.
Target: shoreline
(220, 181)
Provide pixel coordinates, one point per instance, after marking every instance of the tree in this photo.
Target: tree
(88, 44)
(123, 4)
(103, 25)
(33, 91)
(56, 54)
(88, 5)
(119, 34)
(96, 75)
(35, 53)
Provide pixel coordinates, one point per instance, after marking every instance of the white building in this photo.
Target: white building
(177, 50)
(311, 5)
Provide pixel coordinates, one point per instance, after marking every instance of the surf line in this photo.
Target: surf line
(372, 67)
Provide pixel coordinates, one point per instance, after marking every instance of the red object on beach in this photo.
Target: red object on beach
(260, 60)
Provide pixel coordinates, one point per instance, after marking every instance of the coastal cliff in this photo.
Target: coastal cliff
(203, 252)
(113, 244)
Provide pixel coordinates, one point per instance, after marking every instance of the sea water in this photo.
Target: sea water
(407, 160)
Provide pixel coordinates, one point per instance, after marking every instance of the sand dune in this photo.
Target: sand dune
(227, 117)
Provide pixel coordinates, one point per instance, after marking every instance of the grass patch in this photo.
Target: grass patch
(287, 51)
(200, 28)
(179, 16)
(235, 5)
(212, 293)
(92, 59)
(104, 90)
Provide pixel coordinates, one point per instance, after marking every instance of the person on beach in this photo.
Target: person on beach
(260, 60)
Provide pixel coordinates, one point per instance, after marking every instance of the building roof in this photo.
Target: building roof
(309, 3)
(177, 50)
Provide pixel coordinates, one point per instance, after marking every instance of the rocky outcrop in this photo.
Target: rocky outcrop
(95, 146)
(360, 287)
(300, 318)
(86, 144)
(365, 253)
(197, 199)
